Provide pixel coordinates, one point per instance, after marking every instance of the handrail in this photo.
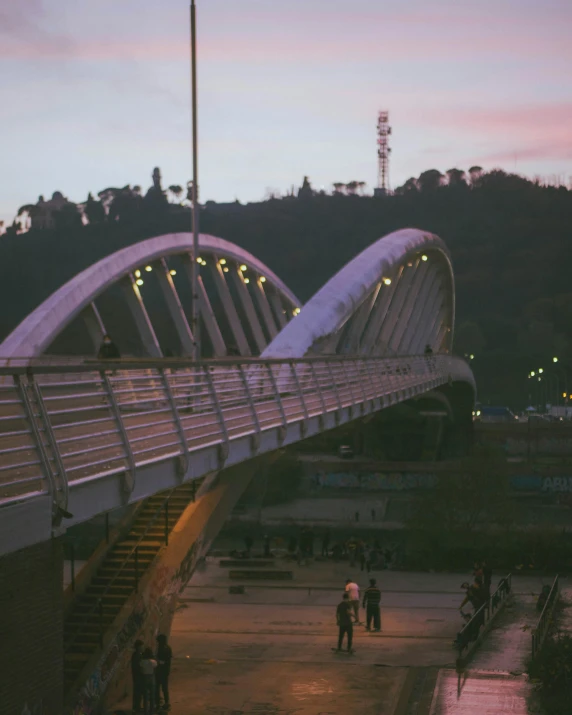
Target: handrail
(539, 633)
(470, 631)
(99, 600)
(172, 397)
(16, 365)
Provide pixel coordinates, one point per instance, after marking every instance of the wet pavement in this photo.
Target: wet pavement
(269, 650)
(495, 681)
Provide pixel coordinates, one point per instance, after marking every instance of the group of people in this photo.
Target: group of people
(150, 672)
(369, 556)
(347, 612)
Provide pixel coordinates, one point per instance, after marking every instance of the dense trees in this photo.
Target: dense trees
(510, 239)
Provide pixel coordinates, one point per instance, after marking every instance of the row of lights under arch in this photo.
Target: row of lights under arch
(222, 262)
(387, 281)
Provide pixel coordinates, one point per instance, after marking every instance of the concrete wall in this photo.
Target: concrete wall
(31, 630)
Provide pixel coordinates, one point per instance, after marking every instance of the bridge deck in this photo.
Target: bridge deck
(64, 431)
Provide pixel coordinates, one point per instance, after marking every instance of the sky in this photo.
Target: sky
(95, 94)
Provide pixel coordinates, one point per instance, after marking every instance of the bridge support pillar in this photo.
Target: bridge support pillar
(31, 630)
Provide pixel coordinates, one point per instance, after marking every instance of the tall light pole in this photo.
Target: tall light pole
(195, 325)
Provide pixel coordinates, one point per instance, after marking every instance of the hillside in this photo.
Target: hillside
(510, 239)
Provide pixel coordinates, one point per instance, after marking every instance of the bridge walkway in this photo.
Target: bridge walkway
(77, 415)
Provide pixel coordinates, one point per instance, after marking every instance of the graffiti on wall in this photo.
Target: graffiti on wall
(143, 622)
(95, 686)
(365, 481)
(557, 484)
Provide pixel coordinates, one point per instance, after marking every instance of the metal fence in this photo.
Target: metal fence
(541, 630)
(472, 630)
(65, 423)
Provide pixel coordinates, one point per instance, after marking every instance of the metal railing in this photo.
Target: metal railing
(471, 631)
(62, 424)
(541, 630)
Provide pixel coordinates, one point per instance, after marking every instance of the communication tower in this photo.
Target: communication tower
(383, 152)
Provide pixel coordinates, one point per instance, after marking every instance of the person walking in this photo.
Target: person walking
(344, 621)
(164, 657)
(352, 589)
(137, 676)
(148, 665)
(371, 603)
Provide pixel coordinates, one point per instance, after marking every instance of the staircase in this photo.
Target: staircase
(93, 612)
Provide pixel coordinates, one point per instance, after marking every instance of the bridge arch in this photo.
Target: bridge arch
(244, 286)
(394, 298)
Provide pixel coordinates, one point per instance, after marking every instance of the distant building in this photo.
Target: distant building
(305, 191)
(42, 214)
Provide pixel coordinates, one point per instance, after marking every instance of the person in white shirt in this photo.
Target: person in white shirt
(353, 590)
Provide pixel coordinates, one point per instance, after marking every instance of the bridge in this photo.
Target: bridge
(81, 436)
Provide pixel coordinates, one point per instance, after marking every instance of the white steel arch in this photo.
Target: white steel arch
(394, 298)
(275, 303)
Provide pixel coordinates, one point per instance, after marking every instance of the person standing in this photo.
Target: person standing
(267, 553)
(344, 621)
(352, 589)
(164, 657)
(108, 350)
(352, 551)
(137, 675)
(487, 578)
(361, 548)
(148, 665)
(248, 542)
(326, 543)
(371, 603)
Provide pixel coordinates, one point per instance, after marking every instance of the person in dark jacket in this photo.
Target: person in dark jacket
(344, 620)
(487, 578)
(371, 603)
(137, 675)
(164, 657)
(108, 350)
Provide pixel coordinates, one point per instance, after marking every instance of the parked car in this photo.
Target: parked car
(346, 451)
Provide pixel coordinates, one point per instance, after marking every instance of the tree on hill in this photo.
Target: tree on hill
(456, 178)
(430, 180)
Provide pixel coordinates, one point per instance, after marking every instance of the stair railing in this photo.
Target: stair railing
(133, 553)
(539, 633)
(471, 634)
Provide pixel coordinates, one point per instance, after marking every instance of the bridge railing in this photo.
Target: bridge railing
(61, 424)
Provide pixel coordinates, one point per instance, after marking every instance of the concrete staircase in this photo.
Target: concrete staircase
(94, 611)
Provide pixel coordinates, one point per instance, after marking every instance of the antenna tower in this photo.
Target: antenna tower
(383, 152)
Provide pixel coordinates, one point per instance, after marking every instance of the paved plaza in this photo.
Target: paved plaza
(269, 650)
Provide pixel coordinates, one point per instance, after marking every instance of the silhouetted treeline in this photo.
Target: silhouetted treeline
(510, 239)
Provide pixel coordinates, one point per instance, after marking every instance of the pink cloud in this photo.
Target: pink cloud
(448, 38)
(546, 124)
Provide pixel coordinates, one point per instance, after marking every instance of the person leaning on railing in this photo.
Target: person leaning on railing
(108, 350)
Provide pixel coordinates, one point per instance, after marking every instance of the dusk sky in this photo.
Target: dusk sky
(96, 93)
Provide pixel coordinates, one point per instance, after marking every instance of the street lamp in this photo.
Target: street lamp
(195, 326)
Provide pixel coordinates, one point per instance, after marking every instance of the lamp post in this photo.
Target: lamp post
(195, 326)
